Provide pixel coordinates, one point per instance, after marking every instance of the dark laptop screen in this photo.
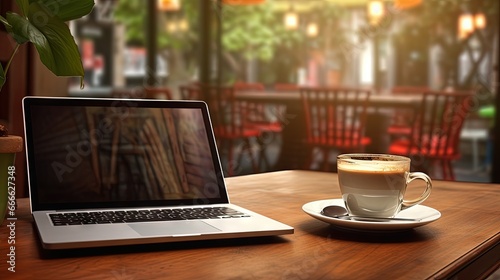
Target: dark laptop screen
(120, 153)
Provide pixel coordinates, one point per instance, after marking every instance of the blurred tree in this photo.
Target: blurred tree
(132, 14)
(257, 32)
(254, 32)
(439, 19)
(178, 47)
(249, 33)
(331, 40)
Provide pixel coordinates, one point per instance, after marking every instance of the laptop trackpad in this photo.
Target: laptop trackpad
(173, 228)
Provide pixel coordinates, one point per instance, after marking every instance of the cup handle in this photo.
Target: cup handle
(422, 176)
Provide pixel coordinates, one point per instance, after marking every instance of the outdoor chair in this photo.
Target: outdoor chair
(230, 126)
(435, 133)
(158, 93)
(334, 120)
(264, 117)
(403, 118)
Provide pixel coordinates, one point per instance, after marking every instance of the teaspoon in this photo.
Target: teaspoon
(340, 212)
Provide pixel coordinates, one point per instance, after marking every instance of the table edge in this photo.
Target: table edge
(488, 248)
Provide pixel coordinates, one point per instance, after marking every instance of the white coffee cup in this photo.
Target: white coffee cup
(374, 185)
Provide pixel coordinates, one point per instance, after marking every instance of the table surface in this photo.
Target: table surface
(464, 242)
(376, 100)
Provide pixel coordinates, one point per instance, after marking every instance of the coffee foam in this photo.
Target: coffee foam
(375, 166)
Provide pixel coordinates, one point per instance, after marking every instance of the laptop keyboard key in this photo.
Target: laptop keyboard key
(133, 216)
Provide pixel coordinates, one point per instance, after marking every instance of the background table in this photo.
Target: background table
(464, 242)
(293, 155)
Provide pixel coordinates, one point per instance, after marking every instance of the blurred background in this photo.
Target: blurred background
(381, 45)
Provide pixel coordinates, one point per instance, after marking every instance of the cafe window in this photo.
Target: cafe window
(113, 41)
(385, 46)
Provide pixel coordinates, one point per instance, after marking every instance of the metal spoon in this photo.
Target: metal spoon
(340, 212)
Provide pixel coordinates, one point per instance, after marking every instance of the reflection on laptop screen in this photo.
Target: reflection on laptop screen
(99, 154)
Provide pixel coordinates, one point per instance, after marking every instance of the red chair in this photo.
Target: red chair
(256, 114)
(403, 118)
(190, 92)
(229, 123)
(158, 93)
(334, 119)
(435, 133)
(286, 87)
(248, 86)
(258, 118)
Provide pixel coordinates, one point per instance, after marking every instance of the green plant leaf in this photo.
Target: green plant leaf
(54, 42)
(5, 22)
(23, 5)
(18, 27)
(66, 10)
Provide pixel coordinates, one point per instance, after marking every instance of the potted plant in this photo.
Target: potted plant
(42, 23)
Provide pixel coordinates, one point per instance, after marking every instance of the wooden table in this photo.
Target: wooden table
(290, 97)
(463, 243)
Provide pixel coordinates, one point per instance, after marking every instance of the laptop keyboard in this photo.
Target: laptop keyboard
(135, 216)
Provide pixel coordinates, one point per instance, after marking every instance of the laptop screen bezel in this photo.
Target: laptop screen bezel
(37, 205)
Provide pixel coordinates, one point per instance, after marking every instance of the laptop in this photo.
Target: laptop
(106, 172)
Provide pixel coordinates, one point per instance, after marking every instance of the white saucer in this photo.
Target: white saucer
(423, 214)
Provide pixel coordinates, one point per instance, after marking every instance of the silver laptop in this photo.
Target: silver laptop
(105, 172)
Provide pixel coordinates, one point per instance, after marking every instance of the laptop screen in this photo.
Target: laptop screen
(88, 153)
